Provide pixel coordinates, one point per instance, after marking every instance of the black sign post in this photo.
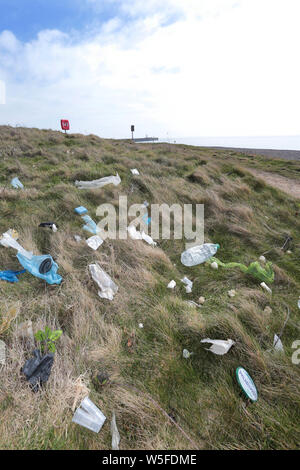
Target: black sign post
(132, 131)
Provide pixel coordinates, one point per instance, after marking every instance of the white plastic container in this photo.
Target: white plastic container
(89, 416)
(199, 254)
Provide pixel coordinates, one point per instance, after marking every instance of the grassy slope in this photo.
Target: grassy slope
(243, 214)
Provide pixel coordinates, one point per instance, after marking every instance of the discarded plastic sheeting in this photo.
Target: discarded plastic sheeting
(278, 346)
(89, 416)
(219, 346)
(188, 284)
(94, 242)
(38, 369)
(171, 284)
(265, 273)
(115, 435)
(10, 242)
(265, 287)
(107, 286)
(134, 171)
(115, 180)
(2, 353)
(199, 254)
(90, 225)
(136, 235)
(49, 225)
(16, 183)
(42, 267)
(11, 276)
(81, 210)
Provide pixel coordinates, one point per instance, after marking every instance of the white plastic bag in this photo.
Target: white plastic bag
(137, 235)
(134, 171)
(107, 286)
(171, 284)
(115, 180)
(186, 354)
(9, 242)
(94, 242)
(115, 435)
(219, 346)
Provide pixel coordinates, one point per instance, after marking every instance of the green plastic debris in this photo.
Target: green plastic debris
(265, 273)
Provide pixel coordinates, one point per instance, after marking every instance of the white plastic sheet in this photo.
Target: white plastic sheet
(171, 284)
(219, 346)
(115, 180)
(94, 242)
(107, 286)
(9, 242)
(134, 171)
(278, 346)
(188, 284)
(115, 435)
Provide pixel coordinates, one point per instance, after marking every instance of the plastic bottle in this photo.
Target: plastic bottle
(199, 254)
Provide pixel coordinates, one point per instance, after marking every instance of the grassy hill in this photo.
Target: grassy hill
(147, 373)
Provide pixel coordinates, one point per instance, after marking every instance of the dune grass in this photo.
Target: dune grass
(145, 366)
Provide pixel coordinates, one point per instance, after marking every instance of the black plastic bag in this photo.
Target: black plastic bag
(38, 369)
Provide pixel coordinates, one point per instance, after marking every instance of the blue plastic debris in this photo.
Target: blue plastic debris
(81, 210)
(10, 276)
(41, 266)
(90, 226)
(16, 183)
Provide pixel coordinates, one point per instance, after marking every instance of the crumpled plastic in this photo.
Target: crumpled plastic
(219, 346)
(134, 171)
(81, 210)
(42, 267)
(115, 180)
(38, 369)
(16, 183)
(115, 435)
(136, 235)
(108, 288)
(9, 241)
(188, 284)
(277, 344)
(90, 225)
(171, 284)
(49, 225)
(11, 276)
(254, 269)
(2, 353)
(94, 242)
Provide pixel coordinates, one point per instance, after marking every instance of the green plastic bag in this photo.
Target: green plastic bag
(265, 274)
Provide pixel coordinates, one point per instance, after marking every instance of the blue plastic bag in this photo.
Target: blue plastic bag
(81, 210)
(41, 266)
(16, 183)
(10, 276)
(90, 226)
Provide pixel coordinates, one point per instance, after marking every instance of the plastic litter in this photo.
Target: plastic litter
(107, 286)
(38, 369)
(136, 235)
(199, 254)
(141, 325)
(171, 284)
(115, 435)
(42, 267)
(219, 346)
(134, 171)
(254, 269)
(11, 276)
(299, 303)
(201, 300)
(262, 259)
(90, 225)
(94, 242)
(49, 225)
(214, 265)
(186, 354)
(265, 287)
(277, 344)
(89, 416)
(115, 180)
(2, 353)
(246, 384)
(9, 241)
(16, 183)
(188, 284)
(231, 293)
(77, 238)
(81, 210)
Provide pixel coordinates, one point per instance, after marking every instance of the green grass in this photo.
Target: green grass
(246, 216)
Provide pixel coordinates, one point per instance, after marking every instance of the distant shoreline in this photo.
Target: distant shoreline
(271, 153)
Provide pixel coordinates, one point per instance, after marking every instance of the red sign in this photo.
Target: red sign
(65, 125)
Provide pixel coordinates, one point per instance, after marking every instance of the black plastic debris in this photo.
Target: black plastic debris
(51, 225)
(37, 369)
(45, 266)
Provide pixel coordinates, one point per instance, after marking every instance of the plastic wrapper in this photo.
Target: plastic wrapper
(16, 183)
(115, 180)
(94, 242)
(219, 346)
(108, 288)
(89, 416)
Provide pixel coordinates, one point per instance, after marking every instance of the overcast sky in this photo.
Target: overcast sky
(182, 67)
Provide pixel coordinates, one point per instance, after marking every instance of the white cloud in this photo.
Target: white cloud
(216, 70)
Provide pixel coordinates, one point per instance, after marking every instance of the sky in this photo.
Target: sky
(170, 67)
